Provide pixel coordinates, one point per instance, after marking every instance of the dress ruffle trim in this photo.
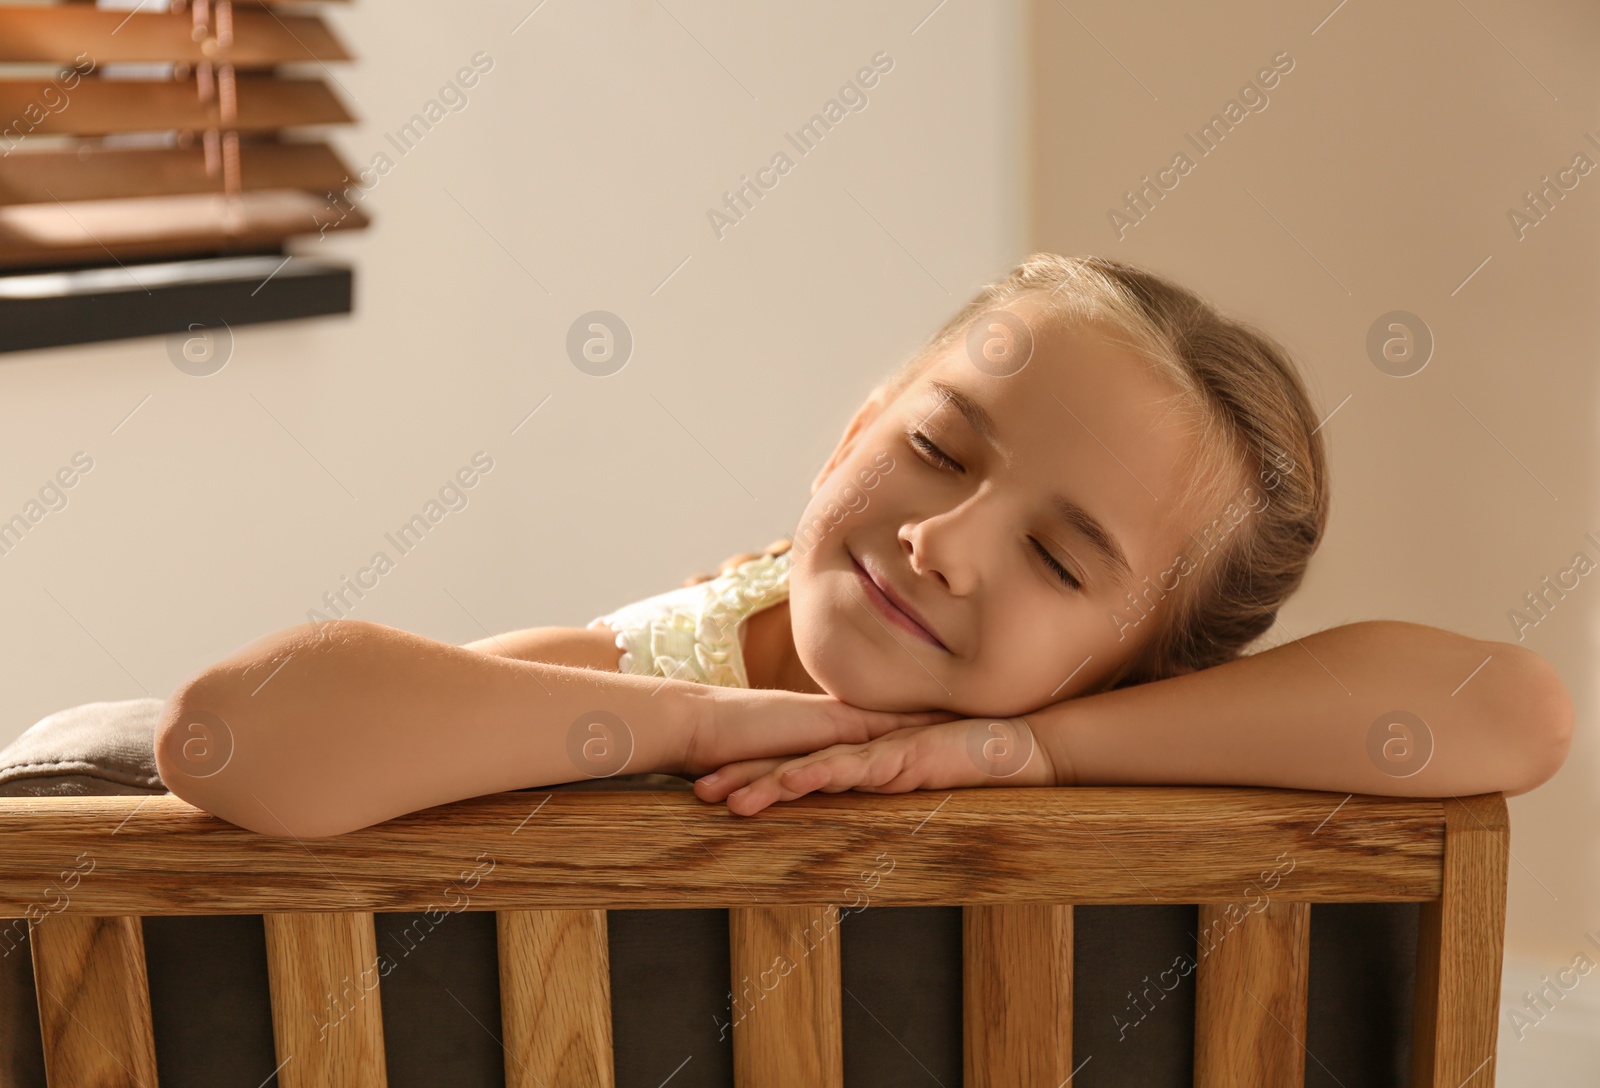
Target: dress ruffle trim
(744, 589)
(697, 637)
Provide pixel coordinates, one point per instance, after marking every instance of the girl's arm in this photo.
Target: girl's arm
(1336, 710)
(318, 730)
(314, 731)
(592, 648)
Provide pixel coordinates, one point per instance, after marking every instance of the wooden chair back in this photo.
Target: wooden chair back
(82, 871)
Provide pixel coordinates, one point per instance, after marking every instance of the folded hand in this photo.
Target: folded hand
(732, 724)
(949, 755)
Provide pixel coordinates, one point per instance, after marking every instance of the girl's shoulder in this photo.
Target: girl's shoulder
(778, 547)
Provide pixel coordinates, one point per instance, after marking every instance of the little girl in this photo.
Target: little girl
(1034, 558)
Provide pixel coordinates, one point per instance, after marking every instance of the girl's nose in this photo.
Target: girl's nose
(932, 553)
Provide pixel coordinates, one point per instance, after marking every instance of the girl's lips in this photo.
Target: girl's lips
(890, 610)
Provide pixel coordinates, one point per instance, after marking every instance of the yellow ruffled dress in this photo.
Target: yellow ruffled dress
(697, 632)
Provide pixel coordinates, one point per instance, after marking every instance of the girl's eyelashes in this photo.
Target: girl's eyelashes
(922, 443)
(1061, 572)
(941, 460)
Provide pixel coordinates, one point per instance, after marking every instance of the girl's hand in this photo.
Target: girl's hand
(733, 724)
(951, 755)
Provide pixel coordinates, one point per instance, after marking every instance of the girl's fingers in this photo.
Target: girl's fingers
(832, 772)
(723, 781)
(735, 776)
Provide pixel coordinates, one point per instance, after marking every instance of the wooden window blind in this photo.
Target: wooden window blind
(134, 130)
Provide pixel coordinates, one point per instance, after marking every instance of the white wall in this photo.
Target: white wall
(590, 153)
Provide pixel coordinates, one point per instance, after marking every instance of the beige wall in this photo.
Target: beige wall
(587, 158)
(590, 153)
(1377, 177)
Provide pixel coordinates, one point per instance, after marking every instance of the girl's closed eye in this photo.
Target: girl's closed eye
(1060, 572)
(926, 446)
(937, 457)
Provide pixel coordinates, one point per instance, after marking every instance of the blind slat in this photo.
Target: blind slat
(90, 230)
(102, 173)
(101, 164)
(261, 37)
(101, 106)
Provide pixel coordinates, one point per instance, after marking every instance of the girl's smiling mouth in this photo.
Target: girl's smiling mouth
(889, 603)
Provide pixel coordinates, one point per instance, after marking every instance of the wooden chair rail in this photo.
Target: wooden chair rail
(81, 870)
(665, 849)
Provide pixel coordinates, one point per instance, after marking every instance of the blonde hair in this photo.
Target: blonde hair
(1247, 407)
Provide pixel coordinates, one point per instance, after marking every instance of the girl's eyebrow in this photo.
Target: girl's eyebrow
(1095, 533)
(977, 417)
(1075, 517)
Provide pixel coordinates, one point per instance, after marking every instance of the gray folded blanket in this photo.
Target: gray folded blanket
(96, 748)
(109, 748)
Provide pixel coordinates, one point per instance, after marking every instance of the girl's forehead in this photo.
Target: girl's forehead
(1092, 414)
(1066, 367)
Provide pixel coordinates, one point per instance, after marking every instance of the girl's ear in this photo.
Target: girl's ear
(865, 415)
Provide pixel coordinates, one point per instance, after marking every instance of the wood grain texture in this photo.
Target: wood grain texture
(787, 1027)
(96, 107)
(1017, 994)
(157, 226)
(1460, 940)
(644, 849)
(327, 1010)
(1250, 996)
(104, 173)
(46, 32)
(555, 998)
(94, 1001)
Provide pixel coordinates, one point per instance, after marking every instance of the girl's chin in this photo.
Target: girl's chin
(850, 678)
(854, 660)
(860, 681)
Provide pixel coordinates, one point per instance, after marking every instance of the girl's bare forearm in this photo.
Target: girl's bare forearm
(1337, 710)
(316, 731)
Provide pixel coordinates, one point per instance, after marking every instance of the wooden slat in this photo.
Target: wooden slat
(555, 998)
(94, 1000)
(102, 173)
(1250, 996)
(64, 32)
(100, 106)
(1017, 994)
(327, 1012)
(162, 226)
(1460, 939)
(641, 849)
(787, 1029)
